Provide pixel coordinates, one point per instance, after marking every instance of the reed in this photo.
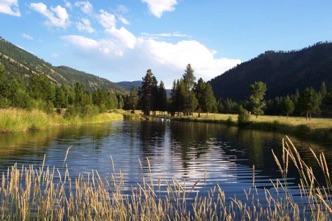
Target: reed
(18, 120)
(45, 193)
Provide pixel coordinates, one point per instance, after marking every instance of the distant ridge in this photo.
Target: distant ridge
(283, 72)
(22, 63)
(129, 84)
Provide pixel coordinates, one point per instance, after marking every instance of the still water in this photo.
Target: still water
(185, 151)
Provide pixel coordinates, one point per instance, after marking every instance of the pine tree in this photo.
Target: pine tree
(189, 77)
(147, 93)
(162, 97)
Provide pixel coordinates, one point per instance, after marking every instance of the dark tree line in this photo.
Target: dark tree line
(187, 95)
(39, 92)
(306, 103)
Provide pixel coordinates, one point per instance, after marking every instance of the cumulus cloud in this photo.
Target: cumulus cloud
(122, 36)
(56, 16)
(167, 60)
(158, 7)
(9, 7)
(85, 7)
(85, 26)
(189, 51)
(107, 20)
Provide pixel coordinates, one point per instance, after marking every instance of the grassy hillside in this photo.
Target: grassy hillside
(22, 63)
(283, 72)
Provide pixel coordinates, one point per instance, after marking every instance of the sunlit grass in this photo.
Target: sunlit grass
(18, 120)
(44, 193)
(294, 121)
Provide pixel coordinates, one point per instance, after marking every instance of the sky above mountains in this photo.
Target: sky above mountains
(120, 39)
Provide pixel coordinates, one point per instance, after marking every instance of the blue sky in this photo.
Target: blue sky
(120, 39)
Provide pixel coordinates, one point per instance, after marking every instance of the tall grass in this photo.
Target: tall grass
(18, 120)
(45, 193)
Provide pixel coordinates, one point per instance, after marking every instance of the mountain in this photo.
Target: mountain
(129, 84)
(22, 63)
(283, 73)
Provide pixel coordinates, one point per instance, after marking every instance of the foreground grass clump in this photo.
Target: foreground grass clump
(30, 193)
(18, 120)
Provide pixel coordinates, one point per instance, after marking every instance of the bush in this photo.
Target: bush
(71, 111)
(89, 110)
(244, 116)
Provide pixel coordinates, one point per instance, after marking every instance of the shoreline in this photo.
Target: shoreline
(317, 129)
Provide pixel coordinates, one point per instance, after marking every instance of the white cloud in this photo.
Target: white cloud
(68, 4)
(123, 20)
(167, 60)
(26, 36)
(122, 36)
(10, 7)
(82, 42)
(85, 6)
(56, 16)
(158, 7)
(184, 52)
(85, 26)
(164, 35)
(106, 19)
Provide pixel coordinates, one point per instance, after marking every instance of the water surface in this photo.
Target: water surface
(211, 154)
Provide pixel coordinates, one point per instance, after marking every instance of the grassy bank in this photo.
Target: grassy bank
(17, 120)
(316, 128)
(29, 193)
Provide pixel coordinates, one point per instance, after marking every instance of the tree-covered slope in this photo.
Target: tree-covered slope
(283, 73)
(19, 62)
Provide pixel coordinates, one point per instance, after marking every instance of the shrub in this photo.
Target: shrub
(244, 116)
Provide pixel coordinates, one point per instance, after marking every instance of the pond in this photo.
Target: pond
(195, 154)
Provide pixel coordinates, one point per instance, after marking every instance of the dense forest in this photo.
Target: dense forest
(282, 72)
(39, 92)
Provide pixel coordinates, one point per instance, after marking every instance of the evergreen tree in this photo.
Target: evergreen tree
(287, 106)
(189, 77)
(199, 90)
(41, 88)
(309, 102)
(162, 98)
(205, 97)
(133, 99)
(146, 93)
(61, 97)
(174, 104)
(210, 100)
(327, 103)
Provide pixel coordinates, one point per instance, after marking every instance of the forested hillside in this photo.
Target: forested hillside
(21, 63)
(283, 73)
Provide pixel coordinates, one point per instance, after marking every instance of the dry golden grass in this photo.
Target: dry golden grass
(18, 120)
(45, 193)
